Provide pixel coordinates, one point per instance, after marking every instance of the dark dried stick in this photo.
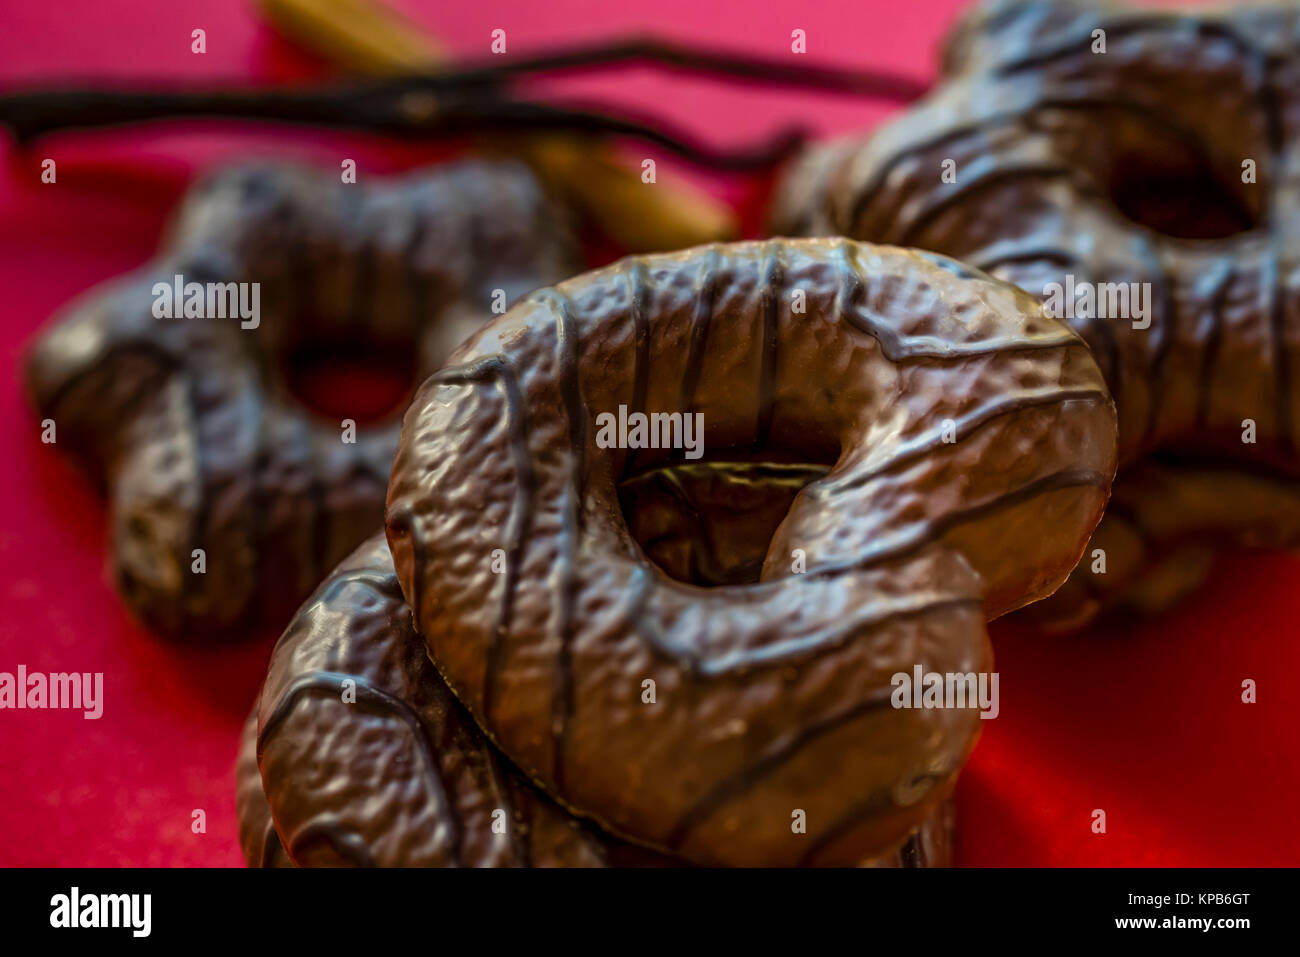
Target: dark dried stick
(406, 114)
(723, 64)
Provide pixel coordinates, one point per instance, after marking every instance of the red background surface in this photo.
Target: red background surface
(1145, 723)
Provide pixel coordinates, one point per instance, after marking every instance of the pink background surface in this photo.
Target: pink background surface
(1145, 723)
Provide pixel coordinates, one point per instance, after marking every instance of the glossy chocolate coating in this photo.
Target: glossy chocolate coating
(970, 445)
(352, 783)
(1120, 167)
(399, 776)
(188, 424)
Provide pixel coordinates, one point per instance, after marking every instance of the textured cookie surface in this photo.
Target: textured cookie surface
(366, 759)
(960, 448)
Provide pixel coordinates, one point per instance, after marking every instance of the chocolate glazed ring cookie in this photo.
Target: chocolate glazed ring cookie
(1150, 194)
(229, 497)
(969, 448)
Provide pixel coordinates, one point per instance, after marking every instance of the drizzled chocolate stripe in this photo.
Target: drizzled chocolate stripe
(973, 422)
(1010, 252)
(568, 350)
(638, 291)
(562, 691)
(774, 757)
(495, 368)
(972, 186)
(379, 702)
(865, 194)
(1180, 136)
(778, 654)
(1163, 332)
(520, 848)
(168, 363)
(930, 530)
(1274, 122)
(1099, 336)
(773, 272)
(706, 286)
(899, 348)
(567, 353)
(859, 814)
(1213, 340)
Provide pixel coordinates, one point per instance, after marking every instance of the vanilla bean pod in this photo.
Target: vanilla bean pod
(703, 61)
(391, 108)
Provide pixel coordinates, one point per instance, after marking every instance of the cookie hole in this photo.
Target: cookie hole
(1181, 198)
(710, 523)
(354, 380)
